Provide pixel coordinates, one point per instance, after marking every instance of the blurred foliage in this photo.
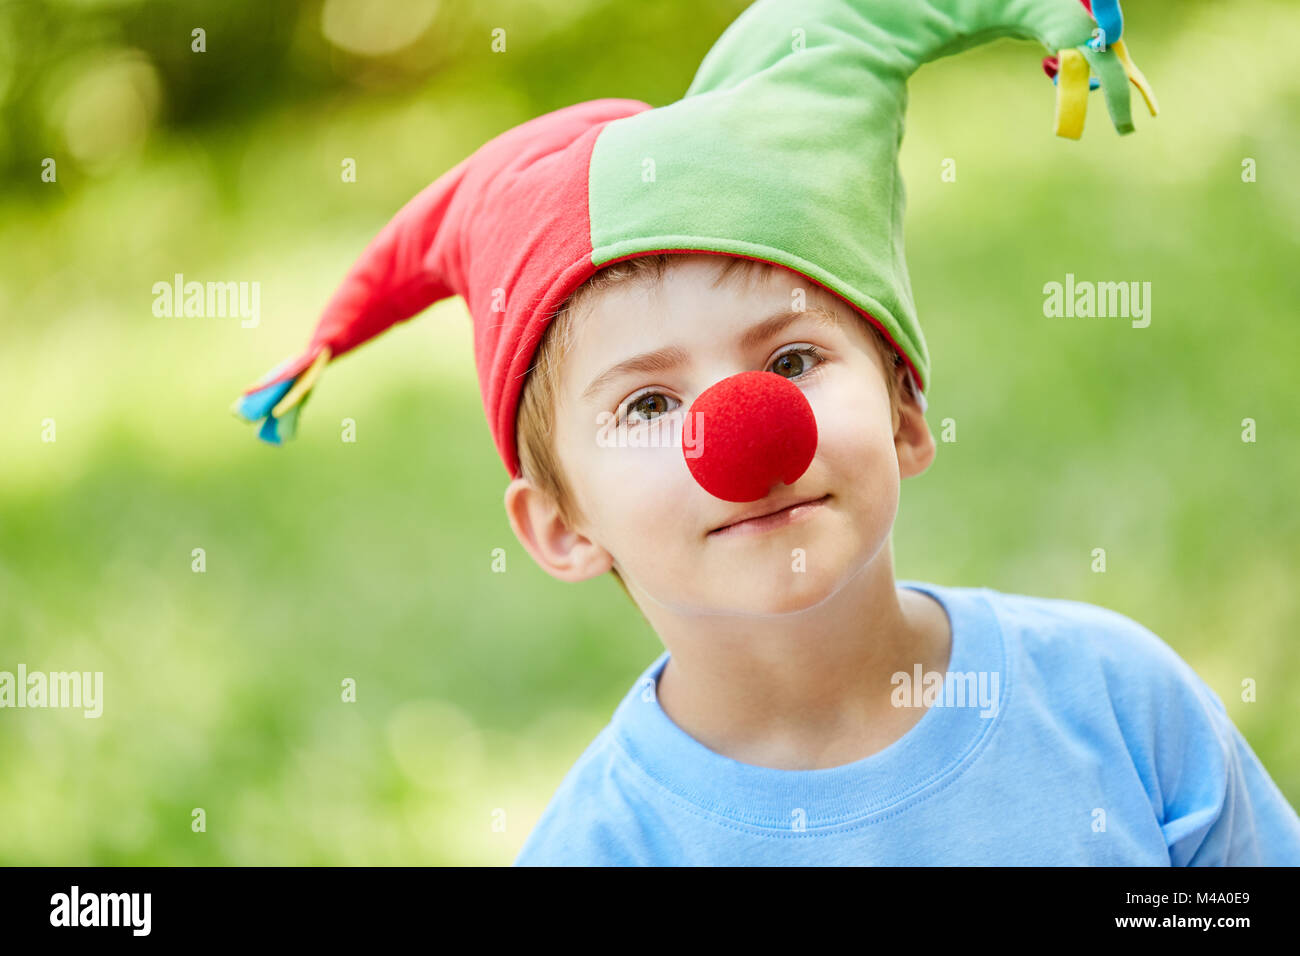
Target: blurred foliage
(306, 56)
(372, 561)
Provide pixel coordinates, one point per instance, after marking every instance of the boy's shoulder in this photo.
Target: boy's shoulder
(588, 818)
(1091, 673)
(1047, 627)
(1059, 634)
(1080, 643)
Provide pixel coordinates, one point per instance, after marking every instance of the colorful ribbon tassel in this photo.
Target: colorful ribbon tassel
(1107, 56)
(280, 401)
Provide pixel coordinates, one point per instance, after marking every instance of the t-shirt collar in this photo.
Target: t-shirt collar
(939, 744)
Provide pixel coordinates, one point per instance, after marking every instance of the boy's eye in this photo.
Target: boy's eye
(651, 405)
(785, 364)
(647, 406)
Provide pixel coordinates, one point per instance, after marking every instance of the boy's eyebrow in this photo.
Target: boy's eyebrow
(665, 359)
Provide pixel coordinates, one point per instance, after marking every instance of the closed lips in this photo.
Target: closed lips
(769, 514)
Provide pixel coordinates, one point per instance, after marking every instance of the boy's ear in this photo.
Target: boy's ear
(562, 551)
(912, 439)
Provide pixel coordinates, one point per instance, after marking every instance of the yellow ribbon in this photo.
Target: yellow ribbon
(1135, 75)
(1071, 93)
(303, 385)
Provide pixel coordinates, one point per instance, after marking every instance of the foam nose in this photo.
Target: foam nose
(752, 430)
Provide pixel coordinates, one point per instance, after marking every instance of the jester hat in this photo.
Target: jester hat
(783, 149)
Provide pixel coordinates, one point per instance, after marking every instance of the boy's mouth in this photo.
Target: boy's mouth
(768, 518)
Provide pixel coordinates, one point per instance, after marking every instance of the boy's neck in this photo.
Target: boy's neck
(804, 691)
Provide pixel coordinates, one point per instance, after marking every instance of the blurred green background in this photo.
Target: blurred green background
(325, 560)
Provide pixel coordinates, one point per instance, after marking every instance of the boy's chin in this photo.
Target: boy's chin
(785, 592)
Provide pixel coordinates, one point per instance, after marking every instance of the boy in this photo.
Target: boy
(636, 267)
(783, 724)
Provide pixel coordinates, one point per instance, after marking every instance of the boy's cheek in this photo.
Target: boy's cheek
(655, 502)
(848, 442)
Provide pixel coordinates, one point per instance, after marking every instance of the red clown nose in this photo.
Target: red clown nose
(755, 429)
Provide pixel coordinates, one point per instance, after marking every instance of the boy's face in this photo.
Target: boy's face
(645, 512)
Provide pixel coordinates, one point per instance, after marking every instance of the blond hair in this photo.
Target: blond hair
(539, 461)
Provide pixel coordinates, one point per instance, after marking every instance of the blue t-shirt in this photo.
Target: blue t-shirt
(1088, 742)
